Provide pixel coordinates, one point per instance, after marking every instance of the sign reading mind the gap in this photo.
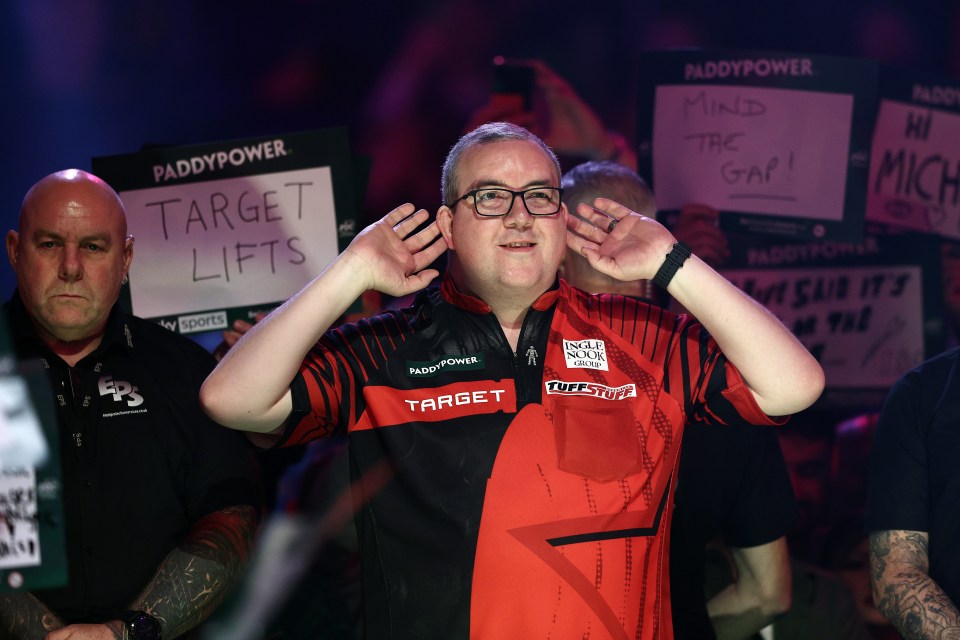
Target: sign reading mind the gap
(777, 142)
(225, 229)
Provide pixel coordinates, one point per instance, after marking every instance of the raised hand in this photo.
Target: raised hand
(390, 256)
(617, 241)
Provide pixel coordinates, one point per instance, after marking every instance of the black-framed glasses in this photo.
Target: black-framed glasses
(539, 201)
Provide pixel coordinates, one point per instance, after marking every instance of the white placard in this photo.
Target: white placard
(752, 149)
(865, 324)
(19, 534)
(229, 243)
(915, 168)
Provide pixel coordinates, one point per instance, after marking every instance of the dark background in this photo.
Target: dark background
(85, 78)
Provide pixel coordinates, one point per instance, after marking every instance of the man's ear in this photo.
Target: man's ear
(127, 253)
(445, 224)
(13, 247)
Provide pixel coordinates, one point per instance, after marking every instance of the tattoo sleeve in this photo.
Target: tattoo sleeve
(195, 577)
(23, 617)
(904, 591)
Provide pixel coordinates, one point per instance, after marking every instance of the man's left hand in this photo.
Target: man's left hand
(107, 631)
(617, 241)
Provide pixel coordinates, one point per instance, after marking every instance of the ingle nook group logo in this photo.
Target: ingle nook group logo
(429, 369)
(585, 354)
(591, 389)
(121, 390)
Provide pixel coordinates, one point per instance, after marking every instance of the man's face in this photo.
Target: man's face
(514, 255)
(70, 258)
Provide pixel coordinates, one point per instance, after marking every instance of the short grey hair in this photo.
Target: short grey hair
(605, 179)
(484, 134)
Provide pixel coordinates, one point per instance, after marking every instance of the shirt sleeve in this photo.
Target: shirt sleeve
(897, 495)
(764, 507)
(327, 392)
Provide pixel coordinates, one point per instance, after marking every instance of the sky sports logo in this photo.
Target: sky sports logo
(196, 323)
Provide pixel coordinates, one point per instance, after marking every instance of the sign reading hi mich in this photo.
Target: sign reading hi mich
(232, 226)
(915, 161)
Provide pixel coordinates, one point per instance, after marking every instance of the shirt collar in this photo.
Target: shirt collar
(453, 295)
(116, 332)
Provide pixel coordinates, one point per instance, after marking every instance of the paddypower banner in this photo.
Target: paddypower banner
(227, 229)
(868, 310)
(778, 142)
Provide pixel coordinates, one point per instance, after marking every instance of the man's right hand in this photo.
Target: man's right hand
(391, 257)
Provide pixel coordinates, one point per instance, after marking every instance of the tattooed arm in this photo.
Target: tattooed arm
(904, 591)
(195, 577)
(23, 617)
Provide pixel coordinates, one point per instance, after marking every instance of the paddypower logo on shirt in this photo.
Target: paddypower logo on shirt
(585, 354)
(446, 363)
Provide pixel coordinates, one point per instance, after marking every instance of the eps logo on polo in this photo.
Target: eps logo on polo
(585, 354)
(121, 390)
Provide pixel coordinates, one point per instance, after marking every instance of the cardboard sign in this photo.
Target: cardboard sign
(777, 142)
(19, 534)
(225, 229)
(915, 158)
(867, 311)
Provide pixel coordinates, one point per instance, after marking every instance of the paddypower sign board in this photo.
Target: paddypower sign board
(778, 142)
(226, 229)
(915, 161)
(868, 311)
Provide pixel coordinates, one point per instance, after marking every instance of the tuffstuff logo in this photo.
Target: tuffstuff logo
(585, 354)
(592, 389)
(429, 369)
(120, 390)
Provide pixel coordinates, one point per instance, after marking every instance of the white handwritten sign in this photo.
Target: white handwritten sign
(778, 142)
(749, 149)
(19, 535)
(915, 168)
(226, 243)
(864, 324)
(228, 228)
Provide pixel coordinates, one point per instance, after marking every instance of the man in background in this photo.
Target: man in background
(732, 481)
(159, 501)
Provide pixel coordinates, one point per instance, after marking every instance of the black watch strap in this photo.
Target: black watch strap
(675, 259)
(140, 625)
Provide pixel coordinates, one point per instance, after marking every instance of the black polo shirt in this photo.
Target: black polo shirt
(141, 461)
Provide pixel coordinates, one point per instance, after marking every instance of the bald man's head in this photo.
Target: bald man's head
(71, 255)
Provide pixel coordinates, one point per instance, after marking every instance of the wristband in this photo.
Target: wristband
(675, 259)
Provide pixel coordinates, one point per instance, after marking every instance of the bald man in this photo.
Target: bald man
(159, 501)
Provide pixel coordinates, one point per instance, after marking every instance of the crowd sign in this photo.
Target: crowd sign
(226, 229)
(864, 310)
(779, 143)
(915, 159)
(32, 533)
(19, 533)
